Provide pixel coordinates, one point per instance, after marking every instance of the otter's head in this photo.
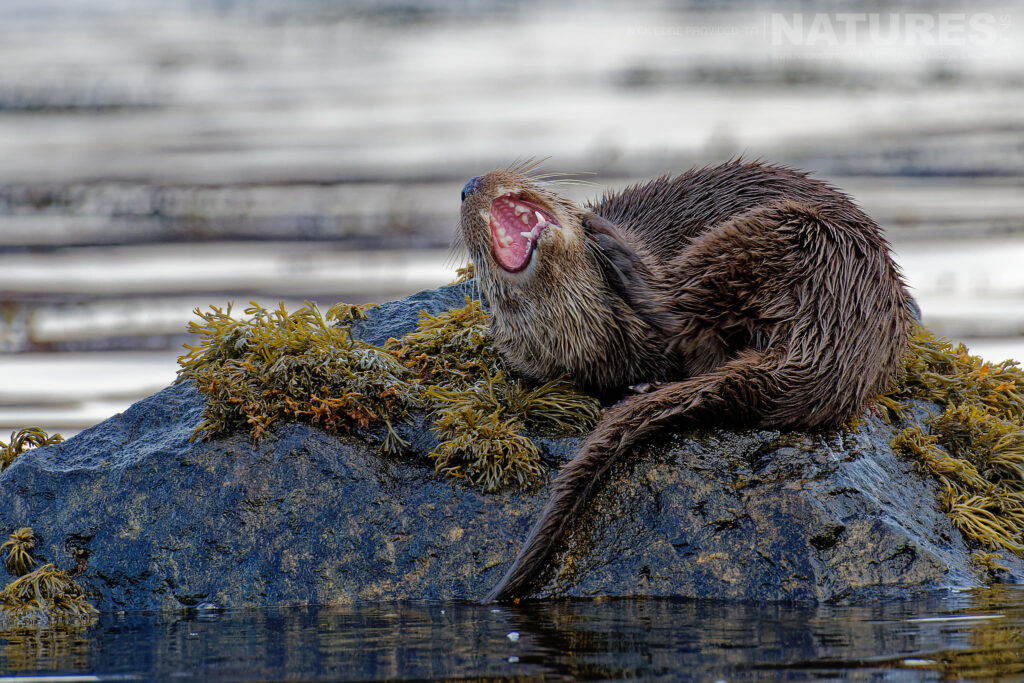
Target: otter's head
(561, 282)
(514, 229)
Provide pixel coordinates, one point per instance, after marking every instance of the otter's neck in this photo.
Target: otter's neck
(571, 320)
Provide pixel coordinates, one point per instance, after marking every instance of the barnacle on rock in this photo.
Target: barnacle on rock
(22, 440)
(47, 593)
(272, 366)
(19, 560)
(975, 447)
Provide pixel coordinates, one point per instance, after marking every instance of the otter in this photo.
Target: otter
(741, 295)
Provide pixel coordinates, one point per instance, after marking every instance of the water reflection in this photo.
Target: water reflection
(987, 646)
(46, 649)
(972, 635)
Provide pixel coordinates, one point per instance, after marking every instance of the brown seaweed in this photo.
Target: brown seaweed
(273, 366)
(21, 441)
(46, 592)
(975, 446)
(19, 560)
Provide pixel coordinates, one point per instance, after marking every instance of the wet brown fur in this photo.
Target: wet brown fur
(756, 295)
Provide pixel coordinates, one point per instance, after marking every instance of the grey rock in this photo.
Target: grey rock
(148, 518)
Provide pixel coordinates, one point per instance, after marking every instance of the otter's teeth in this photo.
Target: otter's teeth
(541, 221)
(528, 234)
(507, 240)
(525, 218)
(520, 209)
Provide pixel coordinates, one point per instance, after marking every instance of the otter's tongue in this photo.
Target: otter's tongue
(515, 226)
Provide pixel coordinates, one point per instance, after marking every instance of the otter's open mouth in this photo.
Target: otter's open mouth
(516, 225)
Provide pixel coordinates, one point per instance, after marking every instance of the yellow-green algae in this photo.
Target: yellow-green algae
(988, 562)
(21, 441)
(19, 560)
(975, 447)
(269, 366)
(481, 428)
(45, 593)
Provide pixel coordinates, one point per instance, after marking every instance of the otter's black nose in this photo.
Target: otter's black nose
(469, 187)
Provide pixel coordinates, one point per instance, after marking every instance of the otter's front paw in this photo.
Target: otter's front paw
(646, 387)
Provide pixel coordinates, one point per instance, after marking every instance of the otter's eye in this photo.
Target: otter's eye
(469, 187)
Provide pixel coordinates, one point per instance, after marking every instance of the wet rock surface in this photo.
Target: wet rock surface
(147, 518)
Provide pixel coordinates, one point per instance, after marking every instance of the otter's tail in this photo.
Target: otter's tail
(740, 391)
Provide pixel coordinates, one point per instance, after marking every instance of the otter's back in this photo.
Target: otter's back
(665, 213)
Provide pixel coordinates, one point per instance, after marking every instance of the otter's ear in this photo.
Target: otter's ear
(621, 264)
(624, 270)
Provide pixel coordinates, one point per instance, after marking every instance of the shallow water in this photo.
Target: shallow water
(976, 635)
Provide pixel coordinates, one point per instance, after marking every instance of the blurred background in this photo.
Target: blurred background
(158, 155)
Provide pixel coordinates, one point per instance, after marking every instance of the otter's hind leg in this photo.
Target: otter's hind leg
(738, 390)
(818, 280)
